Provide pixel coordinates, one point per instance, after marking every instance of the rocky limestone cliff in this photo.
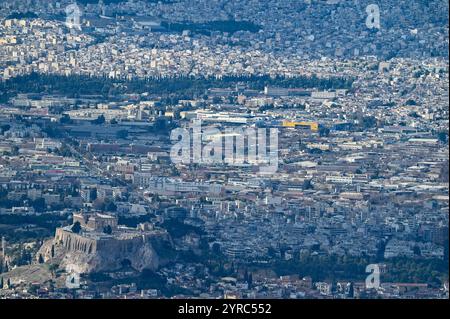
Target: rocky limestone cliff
(74, 252)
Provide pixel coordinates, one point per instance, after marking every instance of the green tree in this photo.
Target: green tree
(65, 119)
(5, 128)
(110, 206)
(307, 184)
(53, 268)
(107, 230)
(76, 228)
(39, 205)
(14, 150)
(443, 137)
(100, 120)
(122, 134)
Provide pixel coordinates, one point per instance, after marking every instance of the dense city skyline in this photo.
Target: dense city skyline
(241, 149)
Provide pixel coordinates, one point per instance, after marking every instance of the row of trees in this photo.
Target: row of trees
(181, 87)
(230, 26)
(330, 267)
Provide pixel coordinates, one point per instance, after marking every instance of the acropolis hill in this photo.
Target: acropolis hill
(97, 243)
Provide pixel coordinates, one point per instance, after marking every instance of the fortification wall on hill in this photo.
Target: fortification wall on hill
(74, 242)
(89, 253)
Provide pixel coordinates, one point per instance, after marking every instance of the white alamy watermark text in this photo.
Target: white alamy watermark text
(234, 146)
